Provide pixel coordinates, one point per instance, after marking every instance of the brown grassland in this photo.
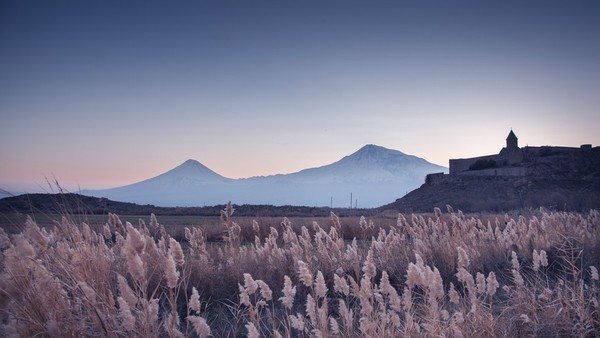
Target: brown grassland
(444, 274)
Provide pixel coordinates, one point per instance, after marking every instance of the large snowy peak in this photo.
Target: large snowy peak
(370, 164)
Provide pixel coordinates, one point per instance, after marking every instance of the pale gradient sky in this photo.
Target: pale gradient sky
(107, 93)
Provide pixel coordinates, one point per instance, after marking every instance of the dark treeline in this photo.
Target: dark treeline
(69, 203)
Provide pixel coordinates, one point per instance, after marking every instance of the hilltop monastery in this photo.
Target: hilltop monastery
(527, 161)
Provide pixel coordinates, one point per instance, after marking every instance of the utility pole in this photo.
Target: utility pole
(350, 200)
(331, 203)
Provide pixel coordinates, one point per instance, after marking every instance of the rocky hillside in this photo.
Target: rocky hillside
(502, 193)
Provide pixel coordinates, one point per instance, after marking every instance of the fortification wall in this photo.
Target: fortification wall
(528, 161)
(503, 171)
(511, 156)
(435, 178)
(532, 161)
(462, 164)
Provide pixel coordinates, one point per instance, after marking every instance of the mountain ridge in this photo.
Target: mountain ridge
(369, 148)
(375, 174)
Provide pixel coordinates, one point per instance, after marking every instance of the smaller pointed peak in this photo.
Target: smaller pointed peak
(191, 161)
(191, 168)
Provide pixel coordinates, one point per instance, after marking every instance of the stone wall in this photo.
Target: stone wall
(434, 178)
(462, 164)
(503, 171)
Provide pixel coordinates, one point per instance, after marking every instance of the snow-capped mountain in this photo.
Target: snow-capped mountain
(373, 175)
(370, 164)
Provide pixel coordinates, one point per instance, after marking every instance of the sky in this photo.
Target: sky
(98, 94)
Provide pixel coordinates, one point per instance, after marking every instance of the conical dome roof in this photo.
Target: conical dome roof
(511, 136)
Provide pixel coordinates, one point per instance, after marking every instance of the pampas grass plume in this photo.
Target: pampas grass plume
(438, 212)
(289, 292)
(463, 258)
(369, 266)
(23, 248)
(136, 266)
(453, 294)
(89, 293)
(244, 297)
(127, 319)
(171, 273)
(543, 258)
(515, 261)
(335, 328)
(176, 252)
(304, 274)
(135, 238)
(436, 284)
(320, 287)
(413, 276)
(297, 322)
(200, 326)
(594, 273)
(481, 285)
(340, 285)
(250, 284)
(311, 309)
(126, 292)
(106, 231)
(194, 304)
(265, 290)
(492, 284)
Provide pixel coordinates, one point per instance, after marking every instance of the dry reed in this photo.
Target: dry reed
(440, 275)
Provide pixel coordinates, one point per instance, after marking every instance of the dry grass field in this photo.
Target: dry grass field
(443, 274)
